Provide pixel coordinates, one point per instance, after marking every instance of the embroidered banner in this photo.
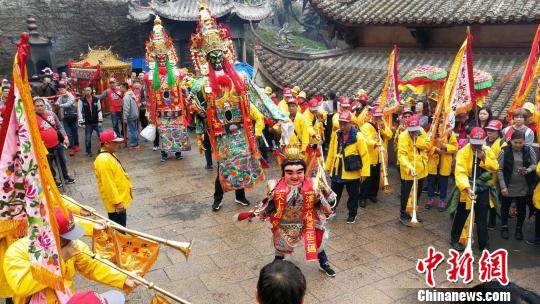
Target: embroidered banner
(29, 193)
(459, 87)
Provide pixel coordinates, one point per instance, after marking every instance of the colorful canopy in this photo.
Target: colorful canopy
(423, 79)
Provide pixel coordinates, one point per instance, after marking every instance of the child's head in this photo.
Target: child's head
(519, 117)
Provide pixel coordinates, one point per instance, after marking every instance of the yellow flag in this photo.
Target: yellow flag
(159, 300)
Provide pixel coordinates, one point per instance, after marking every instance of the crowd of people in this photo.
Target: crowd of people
(353, 136)
(345, 139)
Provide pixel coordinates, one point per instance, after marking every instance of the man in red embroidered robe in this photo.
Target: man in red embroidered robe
(297, 210)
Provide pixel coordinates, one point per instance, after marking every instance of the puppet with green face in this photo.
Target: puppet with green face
(225, 96)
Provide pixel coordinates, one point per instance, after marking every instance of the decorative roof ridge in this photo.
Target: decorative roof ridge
(290, 54)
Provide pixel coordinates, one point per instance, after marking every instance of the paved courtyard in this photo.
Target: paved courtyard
(374, 258)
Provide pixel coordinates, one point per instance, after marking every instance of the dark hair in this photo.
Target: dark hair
(125, 85)
(61, 86)
(520, 112)
(517, 293)
(332, 96)
(286, 163)
(281, 282)
(517, 135)
(490, 114)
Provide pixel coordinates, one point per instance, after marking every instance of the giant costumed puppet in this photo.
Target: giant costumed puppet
(166, 107)
(297, 207)
(226, 100)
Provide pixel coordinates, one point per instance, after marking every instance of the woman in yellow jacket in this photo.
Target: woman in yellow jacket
(301, 130)
(315, 117)
(439, 170)
(536, 204)
(348, 163)
(495, 142)
(412, 145)
(113, 182)
(377, 135)
(486, 162)
(18, 268)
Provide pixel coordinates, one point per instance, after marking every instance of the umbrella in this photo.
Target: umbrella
(423, 79)
(483, 81)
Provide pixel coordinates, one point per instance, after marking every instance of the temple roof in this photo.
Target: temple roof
(428, 12)
(188, 10)
(345, 71)
(105, 58)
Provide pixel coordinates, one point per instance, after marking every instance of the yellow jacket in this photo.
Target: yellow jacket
(335, 158)
(372, 138)
(8, 238)
(17, 269)
(362, 117)
(464, 169)
(536, 194)
(316, 127)
(282, 105)
(256, 116)
(301, 130)
(406, 155)
(445, 158)
(113, 182)
(496, 147)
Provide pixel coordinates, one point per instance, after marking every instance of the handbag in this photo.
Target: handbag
(351, 162)
(58, 133)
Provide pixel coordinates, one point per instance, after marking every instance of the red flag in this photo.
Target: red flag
(529, 74)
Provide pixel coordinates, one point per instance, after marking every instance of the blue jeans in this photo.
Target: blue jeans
(433, 181)
(70, 125)
(116, 118)
(88, 130)
(133, 132)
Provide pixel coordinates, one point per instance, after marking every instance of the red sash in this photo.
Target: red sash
(308, 202)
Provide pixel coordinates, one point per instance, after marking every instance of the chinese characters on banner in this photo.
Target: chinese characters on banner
(491, 266)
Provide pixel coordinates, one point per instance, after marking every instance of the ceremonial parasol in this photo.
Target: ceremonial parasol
(483, 81)
(423, 79)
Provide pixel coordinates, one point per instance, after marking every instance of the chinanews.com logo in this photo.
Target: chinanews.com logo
(491, 267)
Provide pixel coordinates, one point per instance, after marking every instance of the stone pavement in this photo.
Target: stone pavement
(374, 258)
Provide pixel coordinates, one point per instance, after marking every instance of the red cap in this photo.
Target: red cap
(293, 100)
(345, 116)
(477, 136)
(363, 98)
(345, 102)
(287, 91)
(494, 125)
(91, 297)
(313, 103)
(413, 123)
(377, 112)
(108, 136)
(67, 227)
